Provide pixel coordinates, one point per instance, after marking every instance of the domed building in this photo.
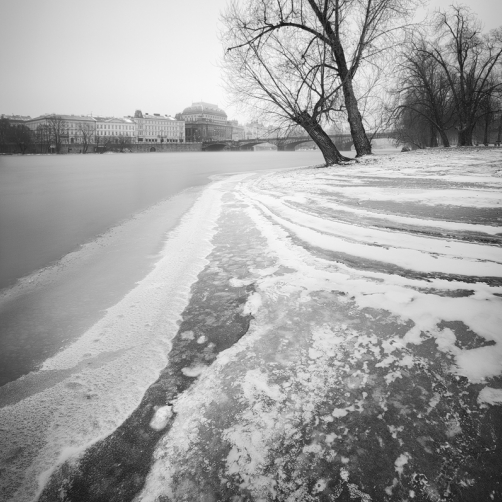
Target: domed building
(206, 122)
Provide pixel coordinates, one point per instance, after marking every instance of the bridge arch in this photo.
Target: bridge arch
(153, 149)
(215, 147)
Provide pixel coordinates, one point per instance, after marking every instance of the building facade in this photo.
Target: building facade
(254, 130)
(206, 122)
(51, 132)
(157, 128)
(238, 131)
(71, 129)
(113, 127)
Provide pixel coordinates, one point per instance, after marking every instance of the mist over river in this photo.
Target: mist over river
(77, 232)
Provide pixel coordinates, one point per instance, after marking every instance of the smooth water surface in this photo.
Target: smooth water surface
(49, 205)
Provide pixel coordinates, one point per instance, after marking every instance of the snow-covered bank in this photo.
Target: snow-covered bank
(87, 390)
(372, 369)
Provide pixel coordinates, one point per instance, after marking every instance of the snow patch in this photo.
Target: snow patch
(161, 417)
(400, 462)
(252, 305)
(490, 395)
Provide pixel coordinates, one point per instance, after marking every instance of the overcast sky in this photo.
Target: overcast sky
(111, 57)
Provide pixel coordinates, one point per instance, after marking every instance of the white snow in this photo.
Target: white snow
(161, 417)
(337, 302)
(400, 462)
(296, 214)
(252, 305)
(490, 396)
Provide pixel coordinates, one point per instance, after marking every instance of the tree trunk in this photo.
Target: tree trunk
(486, 129)
(433, 139)
(444, 138)
(362, 144)
(321, 139)
(465, 136)
(499, 132)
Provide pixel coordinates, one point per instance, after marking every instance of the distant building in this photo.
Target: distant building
(72, 128)
(238, 131)
(107, 127)
(16, 120)
(255, 130)
(157, 128)
(206, 122)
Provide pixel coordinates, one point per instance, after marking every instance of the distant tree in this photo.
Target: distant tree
(98, 141)
(499, 130)
(123, 142)
(14, 137)
(413, 128)
(107, 142)
(4, 134)
(22, 137)
(467, 58)
(86, 132)
(43, 137)
(424, 90)
(58, 130)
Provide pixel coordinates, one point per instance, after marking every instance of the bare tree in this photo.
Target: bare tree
(413, 127)
(499, 131)
(86, 132)
(43, 137)
(21, 137)
(285, 75)
(374, 100)
(123, 142)
(423, 89)
(467, 58)
(58, 130)
(353, 30)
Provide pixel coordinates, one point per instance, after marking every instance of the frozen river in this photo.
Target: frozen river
(77, 232)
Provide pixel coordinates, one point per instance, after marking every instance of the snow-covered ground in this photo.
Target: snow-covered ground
(372, 368)
(342, 341)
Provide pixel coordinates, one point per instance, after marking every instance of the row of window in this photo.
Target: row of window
(115, 126)
(157, 122)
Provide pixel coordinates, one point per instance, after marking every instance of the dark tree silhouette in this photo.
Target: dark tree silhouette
(423, 90)
(468, 60)
(352, 30)
(86, 134)
(284, 76)
(58, 130)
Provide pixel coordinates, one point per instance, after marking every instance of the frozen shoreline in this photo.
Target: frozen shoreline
(88, 389)
(355, 373)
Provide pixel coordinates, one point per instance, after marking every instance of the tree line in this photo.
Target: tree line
(315, 63)
(14, 138)
(450, 84)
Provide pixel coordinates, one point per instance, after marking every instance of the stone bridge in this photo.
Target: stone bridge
(342, 141)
